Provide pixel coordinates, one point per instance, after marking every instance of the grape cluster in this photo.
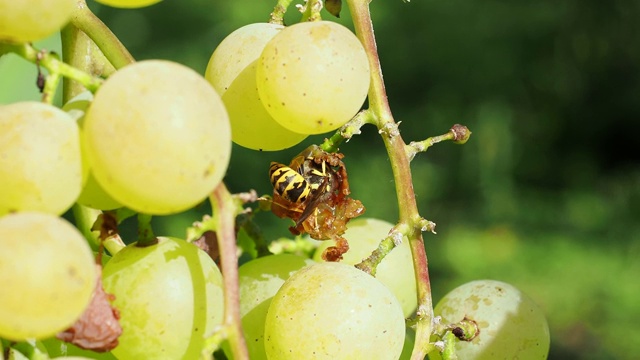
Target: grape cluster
(282, 84)
(155, 139)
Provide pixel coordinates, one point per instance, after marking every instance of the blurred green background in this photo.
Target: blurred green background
(545, 195)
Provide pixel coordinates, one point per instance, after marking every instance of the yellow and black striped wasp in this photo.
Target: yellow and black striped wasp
(313, 191)
(303, 184)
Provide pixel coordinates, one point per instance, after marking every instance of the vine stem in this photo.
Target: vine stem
(105, 39)
(224, 212)
(396, 148)
(277, 16)
(53, 64)
(74, 41)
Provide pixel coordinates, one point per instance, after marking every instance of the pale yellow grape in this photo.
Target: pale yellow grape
(47, 275)
(92, 194)
(511, 325)
(396, 269)
(169, 296)
(158, 137)
(237, 51)
(77, 108)
(232, 72)
(251, 125)
(333, 311)
(128, 3)
(313, 77)
(25, 21)
(259, 280)
(40, 161)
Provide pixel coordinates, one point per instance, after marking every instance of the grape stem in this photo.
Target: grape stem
(145, 232)
(347, 131)
(84, 218)
(102, 36)
(53, 64)
(458, 133)
(224, 210)
(409, 217)
(311, 10)
(74, 41)
(277, 16)
(106, 223)
(449, 350)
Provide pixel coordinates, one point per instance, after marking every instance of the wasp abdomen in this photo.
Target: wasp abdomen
(288, 183)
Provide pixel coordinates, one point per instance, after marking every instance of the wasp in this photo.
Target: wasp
(304, 183)
(313, 191)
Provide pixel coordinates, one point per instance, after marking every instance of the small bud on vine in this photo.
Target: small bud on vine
(461, 134)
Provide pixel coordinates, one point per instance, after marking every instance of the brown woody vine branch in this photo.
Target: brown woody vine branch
(409, 217)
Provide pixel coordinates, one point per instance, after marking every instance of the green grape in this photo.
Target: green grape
(511, 325)
(40, 160)
(333, 311)
(57, 348)
(232, 72)
(169, 296)
(409, 343)
(76, 108)
(92, 194)
(157, 137)
(313, 77)
(130, 4)
(25, 21)
(396, 269)
(260, 279)
(47, 275)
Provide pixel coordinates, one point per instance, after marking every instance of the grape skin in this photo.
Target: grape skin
(396, 269)
(157, 137)
(232, 72)
(47, 275)
(92, 194)
(313, 77)
(128, 4)
(169, 296)
(259, 280)
(237, 51)
(26, 21)
(511, 324)
(333, 311)
(40, 160)
(59, 349)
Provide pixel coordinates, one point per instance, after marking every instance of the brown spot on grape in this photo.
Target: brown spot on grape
(72, 271)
